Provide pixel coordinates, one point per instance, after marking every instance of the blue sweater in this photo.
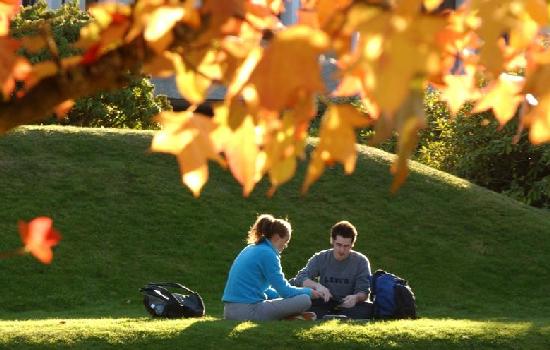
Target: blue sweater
(256, 275)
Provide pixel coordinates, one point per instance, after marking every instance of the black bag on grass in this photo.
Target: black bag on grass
(159, 301)
(393, 297)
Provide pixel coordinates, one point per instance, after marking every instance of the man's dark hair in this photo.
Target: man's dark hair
(344, 229)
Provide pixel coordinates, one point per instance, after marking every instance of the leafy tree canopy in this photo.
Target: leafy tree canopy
(488, 52)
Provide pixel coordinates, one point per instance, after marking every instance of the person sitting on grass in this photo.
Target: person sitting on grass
(256, 288)
(341, 275)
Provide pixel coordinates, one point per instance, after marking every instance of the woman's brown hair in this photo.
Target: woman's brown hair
(267, 226)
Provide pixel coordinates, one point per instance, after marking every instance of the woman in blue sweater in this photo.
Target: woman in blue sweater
(256, 288)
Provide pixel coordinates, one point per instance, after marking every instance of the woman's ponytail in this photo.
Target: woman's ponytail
(266, 226)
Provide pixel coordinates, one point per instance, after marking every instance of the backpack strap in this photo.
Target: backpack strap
(173, 285)
(156, 290)
(374, 277)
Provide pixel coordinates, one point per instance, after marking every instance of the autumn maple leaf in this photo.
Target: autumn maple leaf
(189, 137)
(289, 65)
(336, 141)
(8, 8)
(39, 237)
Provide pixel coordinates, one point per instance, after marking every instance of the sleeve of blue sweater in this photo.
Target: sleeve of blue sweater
(271, 265)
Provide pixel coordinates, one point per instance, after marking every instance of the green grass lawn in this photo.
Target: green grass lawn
(477, 261)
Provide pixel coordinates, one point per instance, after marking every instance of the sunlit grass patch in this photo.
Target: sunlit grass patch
(404, 334)
(423, 329)
(242, 327)
(110, 330)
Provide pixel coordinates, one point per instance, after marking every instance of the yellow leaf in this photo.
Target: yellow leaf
(538, 11)
(410, 118)
(385, 41)
(242, 153)
(161, 21)
(458, 90)
(522, 35)
(536, 84)
(194, 178)
(336, 141)
(189, 137)
(503, 97)
(281, 153)
(243, 72)
(289, 65)
(7, 11)
(191, 84)
(431, 5)
(538, 120)
(408, 7)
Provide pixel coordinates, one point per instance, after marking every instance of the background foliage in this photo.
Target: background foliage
(475, 147)
(130, 107)
(472, 146)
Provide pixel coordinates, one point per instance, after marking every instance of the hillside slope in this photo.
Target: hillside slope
(126, 220)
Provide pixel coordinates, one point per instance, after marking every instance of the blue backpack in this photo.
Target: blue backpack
(393, 297)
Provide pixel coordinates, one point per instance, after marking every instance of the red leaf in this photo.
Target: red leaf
(39, 237)
(91, 55)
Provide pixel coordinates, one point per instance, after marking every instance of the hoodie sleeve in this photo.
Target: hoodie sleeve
(271, 266)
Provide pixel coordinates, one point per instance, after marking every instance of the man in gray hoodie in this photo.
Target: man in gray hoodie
(341, 275)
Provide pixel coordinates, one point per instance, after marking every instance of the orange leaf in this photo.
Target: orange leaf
(33, 43)
(159, 66)
(336, 141)
(10, 65)
(63, 108)
(39, 237)
(40, 71)
(7, 10)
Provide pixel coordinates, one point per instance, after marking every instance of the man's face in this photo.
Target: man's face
(342, 247)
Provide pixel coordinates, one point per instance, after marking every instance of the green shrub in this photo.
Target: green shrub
(475, 148)
(130, 107)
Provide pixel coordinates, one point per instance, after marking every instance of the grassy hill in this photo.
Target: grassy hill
(126, 220)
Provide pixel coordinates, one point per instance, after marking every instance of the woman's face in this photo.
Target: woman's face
(280, 243)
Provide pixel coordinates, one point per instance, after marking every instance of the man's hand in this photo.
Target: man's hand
(315, 294)
(349, 301)
(325, 293)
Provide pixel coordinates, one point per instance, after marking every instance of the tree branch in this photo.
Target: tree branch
(109, 72)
